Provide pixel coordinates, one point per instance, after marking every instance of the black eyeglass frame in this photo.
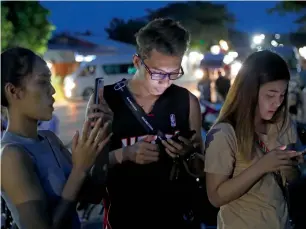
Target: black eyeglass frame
(164, 75)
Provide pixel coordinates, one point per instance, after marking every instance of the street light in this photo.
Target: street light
(215, 49)
(257, 40)
(274, 43)
(233, 54)
(302, 52)
(223, 45)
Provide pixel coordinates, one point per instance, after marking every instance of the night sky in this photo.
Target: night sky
(95, 16)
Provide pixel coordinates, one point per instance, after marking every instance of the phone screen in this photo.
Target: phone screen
(99, 83)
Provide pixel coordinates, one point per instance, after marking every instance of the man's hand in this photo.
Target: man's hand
(174, 149)
(143, 152)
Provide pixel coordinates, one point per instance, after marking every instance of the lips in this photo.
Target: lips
(51, 104)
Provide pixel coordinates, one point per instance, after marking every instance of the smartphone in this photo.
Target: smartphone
(186, 134)
(303, 152)
(99, 83)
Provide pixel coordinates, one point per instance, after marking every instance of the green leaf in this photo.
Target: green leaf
(25, 23)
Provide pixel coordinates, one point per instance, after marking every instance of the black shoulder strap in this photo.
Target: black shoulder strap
(136, 109)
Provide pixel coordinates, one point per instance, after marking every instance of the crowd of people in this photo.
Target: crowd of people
(140, 151)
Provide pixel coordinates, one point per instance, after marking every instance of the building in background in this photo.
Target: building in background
(66, 52)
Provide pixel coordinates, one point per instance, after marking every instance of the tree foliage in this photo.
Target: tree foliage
(26, 25)
(207, 22)
(6, 28)
(124, 31)
(299, 7)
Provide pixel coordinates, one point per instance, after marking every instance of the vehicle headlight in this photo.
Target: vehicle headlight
(69, 84)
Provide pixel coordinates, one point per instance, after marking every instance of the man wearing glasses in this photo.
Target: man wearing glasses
(138, 191)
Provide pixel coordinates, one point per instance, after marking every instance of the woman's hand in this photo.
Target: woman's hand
(278, 159)
(87, 147)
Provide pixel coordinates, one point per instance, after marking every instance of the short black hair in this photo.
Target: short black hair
(16, 64)
(164, 35)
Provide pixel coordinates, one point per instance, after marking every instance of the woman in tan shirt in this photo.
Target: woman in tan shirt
(240, 175)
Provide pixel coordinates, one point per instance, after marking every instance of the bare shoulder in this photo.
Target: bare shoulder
(18, 168)
(14, 155)
(194, 101)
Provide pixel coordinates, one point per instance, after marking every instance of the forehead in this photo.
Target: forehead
(40, 68)
(275, 86)
(157, 60)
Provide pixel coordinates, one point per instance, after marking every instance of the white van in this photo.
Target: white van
(113, 68)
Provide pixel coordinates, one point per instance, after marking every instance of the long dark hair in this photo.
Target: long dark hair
(16, 64)
(240, 105)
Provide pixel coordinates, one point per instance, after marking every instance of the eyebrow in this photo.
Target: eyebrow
(157, 69)
(272, 90)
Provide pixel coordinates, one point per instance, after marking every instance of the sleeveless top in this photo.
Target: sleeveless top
(52, 169)
(140, 193)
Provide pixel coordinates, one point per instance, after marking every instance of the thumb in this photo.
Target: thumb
(149, 138)
(75, 140)
(100, 94)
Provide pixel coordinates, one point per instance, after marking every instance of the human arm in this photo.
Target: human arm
(29, 197)
(219, 166)
(220, 160)
(93, 188)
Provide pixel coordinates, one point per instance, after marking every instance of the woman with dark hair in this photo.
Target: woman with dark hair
(40, 180)
(246, 162)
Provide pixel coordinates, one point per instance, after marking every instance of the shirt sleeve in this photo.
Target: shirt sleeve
(220, 147)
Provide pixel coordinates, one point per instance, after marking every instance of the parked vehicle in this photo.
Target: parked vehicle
(112, 68)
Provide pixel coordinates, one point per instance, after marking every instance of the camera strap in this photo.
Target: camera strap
(137, 111)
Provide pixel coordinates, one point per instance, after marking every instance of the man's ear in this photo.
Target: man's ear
(136, 61)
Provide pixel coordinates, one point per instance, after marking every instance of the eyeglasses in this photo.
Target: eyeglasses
(162, 75)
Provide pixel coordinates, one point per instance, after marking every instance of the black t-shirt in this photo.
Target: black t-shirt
(141, 194)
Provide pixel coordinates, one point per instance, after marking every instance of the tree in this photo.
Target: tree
(123, 31)
(6, 28)
(26, 25)
(206, 22)
(292, 6)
